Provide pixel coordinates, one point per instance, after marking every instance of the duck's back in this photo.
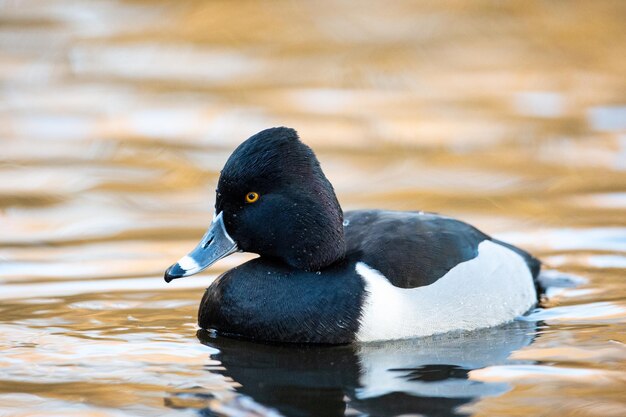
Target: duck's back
(414, 249)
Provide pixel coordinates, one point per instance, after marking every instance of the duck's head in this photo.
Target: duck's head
(272, 199)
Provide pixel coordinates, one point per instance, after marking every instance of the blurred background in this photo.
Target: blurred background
(116, 117)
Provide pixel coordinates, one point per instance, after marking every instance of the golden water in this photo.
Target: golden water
(116, 117)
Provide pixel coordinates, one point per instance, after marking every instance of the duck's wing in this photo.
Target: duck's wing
(414, 249)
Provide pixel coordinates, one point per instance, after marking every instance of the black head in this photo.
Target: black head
(274, 200)
(296, 216)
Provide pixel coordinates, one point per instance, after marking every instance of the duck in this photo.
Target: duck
(323, 276)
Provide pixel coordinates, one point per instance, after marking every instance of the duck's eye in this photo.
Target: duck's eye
(252, 197)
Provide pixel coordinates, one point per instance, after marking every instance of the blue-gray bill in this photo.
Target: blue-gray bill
(215, 245)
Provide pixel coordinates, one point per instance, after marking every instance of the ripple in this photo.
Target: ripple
(545, 104)
(158, 61)
(607, 118)
(600, 238)
(593, 261)
(59, 289)
(127, 305)
(545, 373)
(603, 200)
(592, 312)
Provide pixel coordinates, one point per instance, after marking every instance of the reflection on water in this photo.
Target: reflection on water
(428, 375)
(116, 117)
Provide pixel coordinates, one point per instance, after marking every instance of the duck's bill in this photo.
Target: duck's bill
(215, 245)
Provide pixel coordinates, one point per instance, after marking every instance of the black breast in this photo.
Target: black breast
(266, 300)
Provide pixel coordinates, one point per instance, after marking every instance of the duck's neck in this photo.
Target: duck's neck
(317, 239)
(318, 250)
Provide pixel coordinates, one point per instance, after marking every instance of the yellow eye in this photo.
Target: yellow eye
(252, 197)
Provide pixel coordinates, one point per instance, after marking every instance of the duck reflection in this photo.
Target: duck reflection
(427, 376)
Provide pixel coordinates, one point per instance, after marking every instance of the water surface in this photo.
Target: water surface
(116, 117)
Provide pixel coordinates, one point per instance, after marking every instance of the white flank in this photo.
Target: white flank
(493, 288)
(188, 263)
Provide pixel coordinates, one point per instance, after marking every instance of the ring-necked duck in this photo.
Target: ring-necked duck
(328, 277)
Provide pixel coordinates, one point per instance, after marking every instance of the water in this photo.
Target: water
(116, 117)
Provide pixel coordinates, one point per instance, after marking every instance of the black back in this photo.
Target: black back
(411, 249)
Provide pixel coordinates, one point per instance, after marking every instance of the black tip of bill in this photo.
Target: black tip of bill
(173, 272)
(215, 245)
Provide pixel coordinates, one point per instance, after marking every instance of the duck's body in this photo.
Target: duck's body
(326, 277)
(404, 275)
